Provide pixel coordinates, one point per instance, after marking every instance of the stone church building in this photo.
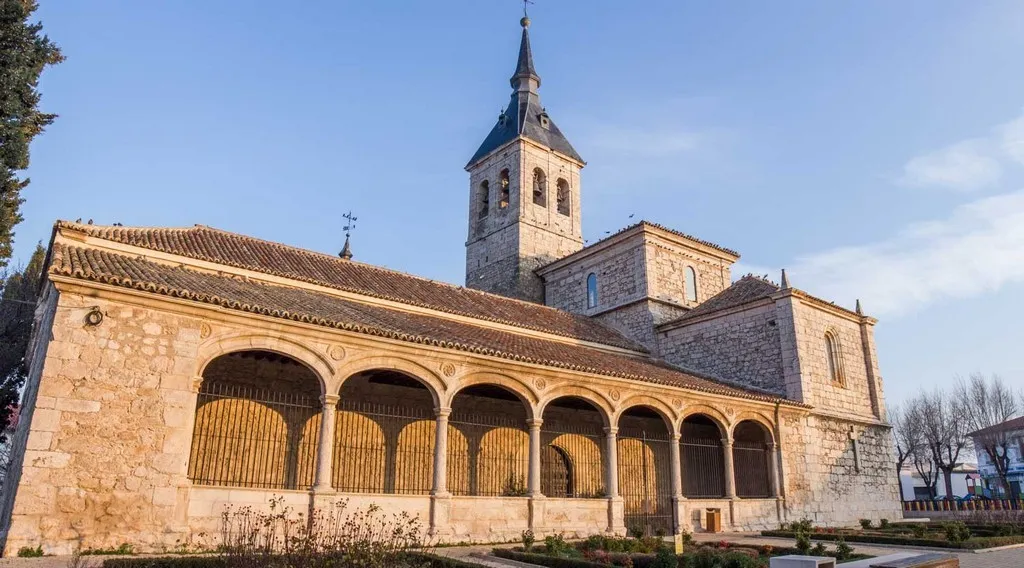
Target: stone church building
(626, 384)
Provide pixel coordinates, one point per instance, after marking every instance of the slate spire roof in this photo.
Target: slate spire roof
(525, 116)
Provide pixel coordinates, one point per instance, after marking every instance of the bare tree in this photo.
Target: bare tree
(945, 432)
(987, 405)
(907, 435)
(921, 456)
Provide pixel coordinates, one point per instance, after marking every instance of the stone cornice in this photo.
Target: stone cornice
(472, 165)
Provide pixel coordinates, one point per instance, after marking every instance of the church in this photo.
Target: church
(626, 385)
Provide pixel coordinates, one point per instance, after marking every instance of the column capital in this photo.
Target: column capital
(328, 399)
(534, 422)
(611, 430)
(727, 442)
(675, 436)
(197, 383)
(442, 411)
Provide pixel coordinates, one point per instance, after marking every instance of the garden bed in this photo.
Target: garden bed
(651, 552)
(405, 560)
(953, 535)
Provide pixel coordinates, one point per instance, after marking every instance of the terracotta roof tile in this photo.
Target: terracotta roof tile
(743, 291)
(326, 310)
(239, 251)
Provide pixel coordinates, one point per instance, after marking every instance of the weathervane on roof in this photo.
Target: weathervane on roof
(346, 251)
(525, 22)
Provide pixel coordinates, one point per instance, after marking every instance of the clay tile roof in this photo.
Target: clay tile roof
(1008, 426)
(743, 291)
(239, 251)
(324, 309)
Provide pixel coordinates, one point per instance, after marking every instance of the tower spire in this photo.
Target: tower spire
(525, 78)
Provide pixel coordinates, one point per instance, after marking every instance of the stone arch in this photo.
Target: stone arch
(753, 416)
(224, 345)
(752, 459)
(434, 384)
(663, 410)
(600, 402)
(716, 416)
(519, 388)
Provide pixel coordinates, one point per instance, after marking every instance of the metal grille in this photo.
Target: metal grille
(252, 437)
(572, 462)
(751, 463)
(703, 459)
(386, 449)
(491, 458)
(645, 480)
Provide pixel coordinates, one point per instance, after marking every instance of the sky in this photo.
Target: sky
(874, 149)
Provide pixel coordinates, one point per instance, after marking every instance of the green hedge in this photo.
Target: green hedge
(972, 544)
(212, 561)
(543, 559)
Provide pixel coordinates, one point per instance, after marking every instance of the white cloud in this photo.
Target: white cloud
(976, 249)
(1011, 139)
(965, 166)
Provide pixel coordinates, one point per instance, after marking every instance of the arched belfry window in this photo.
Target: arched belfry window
(564, 199)
(833, 357)
(592, 290)
(485, 198)
(505, 190)
(540, 188)
(691, 284)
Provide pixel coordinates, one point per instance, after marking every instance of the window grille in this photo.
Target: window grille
(703, 459)
(645, 480)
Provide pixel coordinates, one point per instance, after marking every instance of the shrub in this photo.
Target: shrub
(883, 523)
(687, 538)
(124, 550)
(919, 531)
(803, 525)
(843, 550)
(528, 540)
(29, 552)
(803, 543)
(957, 532)
(636, 531)
(665, 559)
(818, 550)
(555, 545)
(865, 524)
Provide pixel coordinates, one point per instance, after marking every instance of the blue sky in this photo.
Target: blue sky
(873, 148)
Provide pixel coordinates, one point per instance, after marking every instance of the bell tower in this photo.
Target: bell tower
(524, 188)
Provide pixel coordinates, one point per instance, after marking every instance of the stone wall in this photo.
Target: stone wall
(741, 346)
(834, 481)
(667, 262)
(109, 432)
(620, 272)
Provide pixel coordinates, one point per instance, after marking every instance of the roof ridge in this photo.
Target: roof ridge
(622, 342)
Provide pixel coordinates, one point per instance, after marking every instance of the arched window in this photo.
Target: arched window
(833, 358)
(691, 284)
(540, 188)
(563, 197)
(485, 198)
(592, 290)
(505, 191)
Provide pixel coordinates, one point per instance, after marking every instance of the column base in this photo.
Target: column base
(683, 521)
(616, 516)
(440, 516)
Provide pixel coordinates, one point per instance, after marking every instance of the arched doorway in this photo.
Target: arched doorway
(645, 472)
(752, 460)
(385, 434)
(495, 460)
(572, 455)
(703, 458)
(257, 423)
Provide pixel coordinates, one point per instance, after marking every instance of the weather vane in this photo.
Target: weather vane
(346, 251)
(525, 4)
(351, 224)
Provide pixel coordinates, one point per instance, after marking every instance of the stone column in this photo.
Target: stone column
(676, 468)
(325, 457)
(533, 480)
(536, 505)
(441, 453)
(730, 474)
(440, 498)
(616, 511)
(773, 470)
